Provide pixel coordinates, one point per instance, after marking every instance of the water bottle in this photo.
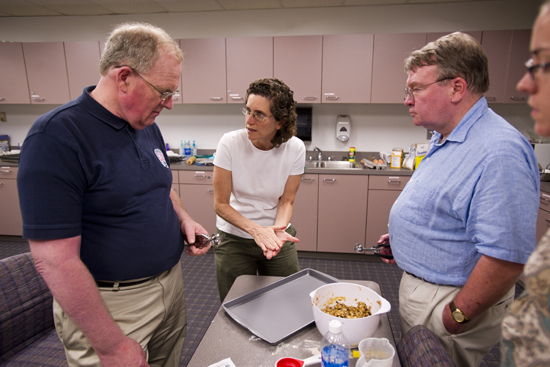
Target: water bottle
(334, 346)
(194, 152)
(187, 148)
(181, 147)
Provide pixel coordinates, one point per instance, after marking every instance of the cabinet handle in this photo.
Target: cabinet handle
(331, 180)
(237, 98)
(202, 176)
(514, 98)
(545, 198)
(37, 98)
(5, 171)
(308, 179)
(210, 191)
(2, 99)
(216, 98)
(310, 98)
(332, 98)
(491, 99)
(1, 184)
(394, 180)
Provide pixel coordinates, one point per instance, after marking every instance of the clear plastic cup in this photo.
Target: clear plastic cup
(375, 352)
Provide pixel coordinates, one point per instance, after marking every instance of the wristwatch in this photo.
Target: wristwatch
(457, 314)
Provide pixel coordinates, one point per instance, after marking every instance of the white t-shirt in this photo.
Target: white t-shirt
(258, 176)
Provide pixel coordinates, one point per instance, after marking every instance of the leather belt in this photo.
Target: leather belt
(424, 280)
(117, 285)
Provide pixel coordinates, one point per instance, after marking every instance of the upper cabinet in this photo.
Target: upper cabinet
(82, 65)
(13, 77)
(388, 76)
(347, 68)
(519, 54)
(430, 37)
(46, 72)
(297, 62)
(497, 48)
(203, 73)
(248, 59)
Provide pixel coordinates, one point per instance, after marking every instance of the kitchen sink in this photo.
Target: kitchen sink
(333, 165)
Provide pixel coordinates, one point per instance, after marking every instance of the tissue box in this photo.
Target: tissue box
(4, 142)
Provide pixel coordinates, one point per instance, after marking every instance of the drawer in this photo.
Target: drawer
(175, 177)
(544, 201)
(388, 182)
(8, 172)
(195, 177)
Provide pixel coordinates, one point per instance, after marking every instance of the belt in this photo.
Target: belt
(116, 285)
(422, 279)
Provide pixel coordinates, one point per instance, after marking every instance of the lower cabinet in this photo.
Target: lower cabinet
(342, 213)
(197, 195)
(304, 215)
(543, 219)
(11, 223)
(383, 191)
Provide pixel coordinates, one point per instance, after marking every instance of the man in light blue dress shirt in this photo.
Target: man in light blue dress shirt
(465, 223)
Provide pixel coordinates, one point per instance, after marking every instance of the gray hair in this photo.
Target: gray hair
(137, 45)
(456, 55)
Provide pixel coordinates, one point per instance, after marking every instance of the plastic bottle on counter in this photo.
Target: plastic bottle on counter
(194, 151)
(181, 147)
(352, 154)
(334, 346)
(187, 148)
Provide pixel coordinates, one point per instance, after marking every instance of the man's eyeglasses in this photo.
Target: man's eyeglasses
(257, 116)
(410, 92)
(532, 67)
(164, 96)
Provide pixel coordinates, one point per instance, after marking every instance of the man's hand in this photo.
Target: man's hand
(127, 353)
(450, 324)
(385, 239)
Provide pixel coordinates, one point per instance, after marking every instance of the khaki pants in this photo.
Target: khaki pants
(422, 303)
(237, 256)
(152, 313)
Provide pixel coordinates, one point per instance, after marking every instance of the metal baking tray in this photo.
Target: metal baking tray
(279, 309)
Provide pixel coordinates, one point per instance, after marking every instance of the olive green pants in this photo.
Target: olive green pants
(237, 256)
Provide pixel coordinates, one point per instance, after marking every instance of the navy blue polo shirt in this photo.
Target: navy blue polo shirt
(84, 171)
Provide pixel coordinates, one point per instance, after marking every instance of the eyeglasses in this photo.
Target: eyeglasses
(164, 96)
(532, 68)
(258, 116)
(411, 92)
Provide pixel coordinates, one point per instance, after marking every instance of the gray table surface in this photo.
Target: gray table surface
(225, 338)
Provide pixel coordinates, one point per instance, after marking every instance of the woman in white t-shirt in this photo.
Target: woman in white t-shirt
(257, 172)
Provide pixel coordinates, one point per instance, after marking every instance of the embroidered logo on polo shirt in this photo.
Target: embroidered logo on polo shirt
(161, 158)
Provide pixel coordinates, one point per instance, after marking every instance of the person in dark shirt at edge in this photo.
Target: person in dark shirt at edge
(463, 226)
(104, 226)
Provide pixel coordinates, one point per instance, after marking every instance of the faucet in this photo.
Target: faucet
(320, 156)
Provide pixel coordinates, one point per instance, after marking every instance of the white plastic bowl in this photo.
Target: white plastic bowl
(354, 329)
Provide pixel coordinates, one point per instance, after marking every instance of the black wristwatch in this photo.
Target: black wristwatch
(457, 314)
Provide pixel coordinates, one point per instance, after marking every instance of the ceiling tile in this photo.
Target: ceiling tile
(131, 6)
(189, 5)
(72, 7)
(250, 4)
(311, 3)
(23, 8)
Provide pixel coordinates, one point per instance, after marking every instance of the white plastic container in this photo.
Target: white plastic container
(348, 293)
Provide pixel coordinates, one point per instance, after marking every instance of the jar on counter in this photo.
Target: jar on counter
(352, 154)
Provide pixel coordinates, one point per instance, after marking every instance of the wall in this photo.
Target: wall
(374, 127)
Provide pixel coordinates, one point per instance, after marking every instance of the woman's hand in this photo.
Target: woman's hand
(271, 239)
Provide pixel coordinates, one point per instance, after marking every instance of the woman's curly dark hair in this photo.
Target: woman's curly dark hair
(282, 106)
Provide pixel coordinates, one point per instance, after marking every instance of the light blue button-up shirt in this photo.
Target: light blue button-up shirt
(476, 193)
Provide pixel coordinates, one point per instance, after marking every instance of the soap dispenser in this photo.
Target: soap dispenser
(343, 127)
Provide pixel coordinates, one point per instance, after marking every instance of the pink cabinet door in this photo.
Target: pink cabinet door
(82, 65)
(519, 53)
(297, 62)
(46, 72)
(496, 45)
(378, 214)
(11, 223)
(248, 59)
(342, 212)
(198, 200)
(304, 215)
(203, 72)
(347, 68)
(13, 88)
(543, 223)
(388, 76)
